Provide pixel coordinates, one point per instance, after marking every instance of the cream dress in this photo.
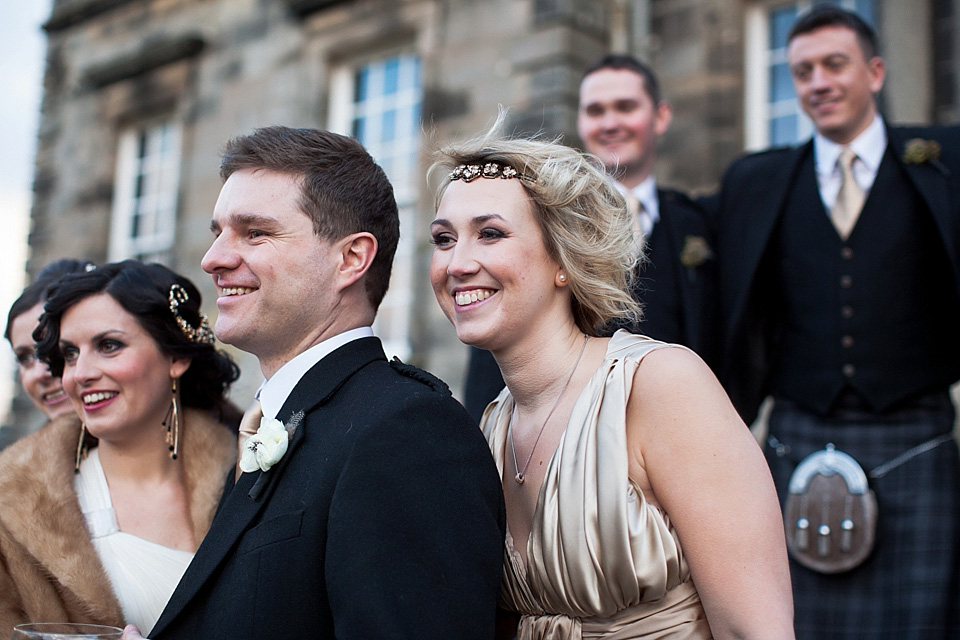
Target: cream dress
(601, 561)
(143, 574)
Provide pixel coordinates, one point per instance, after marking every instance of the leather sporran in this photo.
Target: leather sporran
(830, 517)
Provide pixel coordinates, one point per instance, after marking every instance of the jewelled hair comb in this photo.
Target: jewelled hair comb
(201, 334)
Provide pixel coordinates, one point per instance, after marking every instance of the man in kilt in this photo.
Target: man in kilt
(840, 285)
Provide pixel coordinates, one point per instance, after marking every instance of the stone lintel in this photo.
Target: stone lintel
(153, 54)
(303, 8)
(68, 13)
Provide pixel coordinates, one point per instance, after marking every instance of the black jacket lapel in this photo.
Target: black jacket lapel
(756, 222)
(252, 491)
(235, 515)
(689, 286)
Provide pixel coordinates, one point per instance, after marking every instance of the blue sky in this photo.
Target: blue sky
(22, 45)
(21, 76)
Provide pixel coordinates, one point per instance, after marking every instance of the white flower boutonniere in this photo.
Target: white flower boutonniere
(265, 448)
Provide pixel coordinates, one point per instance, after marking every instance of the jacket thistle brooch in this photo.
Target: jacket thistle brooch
(920, 151)
(695, 252)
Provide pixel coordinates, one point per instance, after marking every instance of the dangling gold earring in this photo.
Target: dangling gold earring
(81, 450)
(172, 421)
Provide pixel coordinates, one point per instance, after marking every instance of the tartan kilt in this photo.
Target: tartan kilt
(910, 585)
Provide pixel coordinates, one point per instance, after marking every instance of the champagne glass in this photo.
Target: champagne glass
(65, 631)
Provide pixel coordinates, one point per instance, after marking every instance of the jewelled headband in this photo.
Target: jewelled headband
(491, 170)
(201, 334)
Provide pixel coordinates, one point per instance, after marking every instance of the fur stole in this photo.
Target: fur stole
(49, 569)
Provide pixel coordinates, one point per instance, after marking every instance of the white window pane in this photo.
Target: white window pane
(360, 87)
(145, 193)
(781, 83)
(780, 22)
(385, 116)
(391, 72)
(783, 130)
(785, 122)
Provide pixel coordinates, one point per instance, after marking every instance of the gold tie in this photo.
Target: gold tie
(850, 198)
(248, 427)
(642, 224)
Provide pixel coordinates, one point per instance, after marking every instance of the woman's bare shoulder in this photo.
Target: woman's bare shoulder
(672, 368)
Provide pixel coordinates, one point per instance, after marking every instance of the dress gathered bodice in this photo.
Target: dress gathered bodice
(602, 562)
(143, 573)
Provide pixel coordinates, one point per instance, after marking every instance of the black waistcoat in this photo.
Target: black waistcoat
(878, 313)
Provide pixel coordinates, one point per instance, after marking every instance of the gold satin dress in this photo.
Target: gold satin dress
(602, 562)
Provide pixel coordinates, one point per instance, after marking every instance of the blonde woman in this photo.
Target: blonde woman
(638, 503)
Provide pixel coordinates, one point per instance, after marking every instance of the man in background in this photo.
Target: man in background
(839, 272)
(621, 118)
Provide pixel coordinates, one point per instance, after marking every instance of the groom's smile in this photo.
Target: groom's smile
(271, 270)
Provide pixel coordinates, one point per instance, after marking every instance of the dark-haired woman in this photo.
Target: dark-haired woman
(99, 517)
(41, 387)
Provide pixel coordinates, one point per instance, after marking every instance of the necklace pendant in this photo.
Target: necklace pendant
(519, 478)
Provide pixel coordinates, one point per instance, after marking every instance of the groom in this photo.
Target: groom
(384, 517)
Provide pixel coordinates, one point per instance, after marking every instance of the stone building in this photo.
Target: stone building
(140, 95)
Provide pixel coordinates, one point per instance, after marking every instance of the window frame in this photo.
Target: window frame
(162, 200)
(393, 319)
(759, 59)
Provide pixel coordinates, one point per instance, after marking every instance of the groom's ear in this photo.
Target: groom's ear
(356, 254)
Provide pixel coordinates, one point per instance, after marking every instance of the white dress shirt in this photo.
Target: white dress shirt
(869, 147)
(275, 391)
(143, 574)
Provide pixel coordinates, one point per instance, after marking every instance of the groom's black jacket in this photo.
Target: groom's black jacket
(384, 519)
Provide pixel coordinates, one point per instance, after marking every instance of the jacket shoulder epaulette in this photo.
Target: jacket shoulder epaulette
(421, 376)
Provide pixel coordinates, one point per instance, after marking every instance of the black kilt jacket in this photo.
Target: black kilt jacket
(384, 519)
(678, 285)
(907, 588)
(754, 192)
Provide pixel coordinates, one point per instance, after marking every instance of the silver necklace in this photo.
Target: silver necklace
(522, 472)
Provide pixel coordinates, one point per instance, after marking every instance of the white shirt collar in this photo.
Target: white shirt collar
(274, 392)
(646, 193)
(869, 146)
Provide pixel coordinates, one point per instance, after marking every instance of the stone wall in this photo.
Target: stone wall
(223, 67)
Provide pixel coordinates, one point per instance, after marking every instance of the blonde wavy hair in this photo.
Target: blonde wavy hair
(583, 219)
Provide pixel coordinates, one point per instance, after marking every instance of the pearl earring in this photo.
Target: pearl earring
(563, 278)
